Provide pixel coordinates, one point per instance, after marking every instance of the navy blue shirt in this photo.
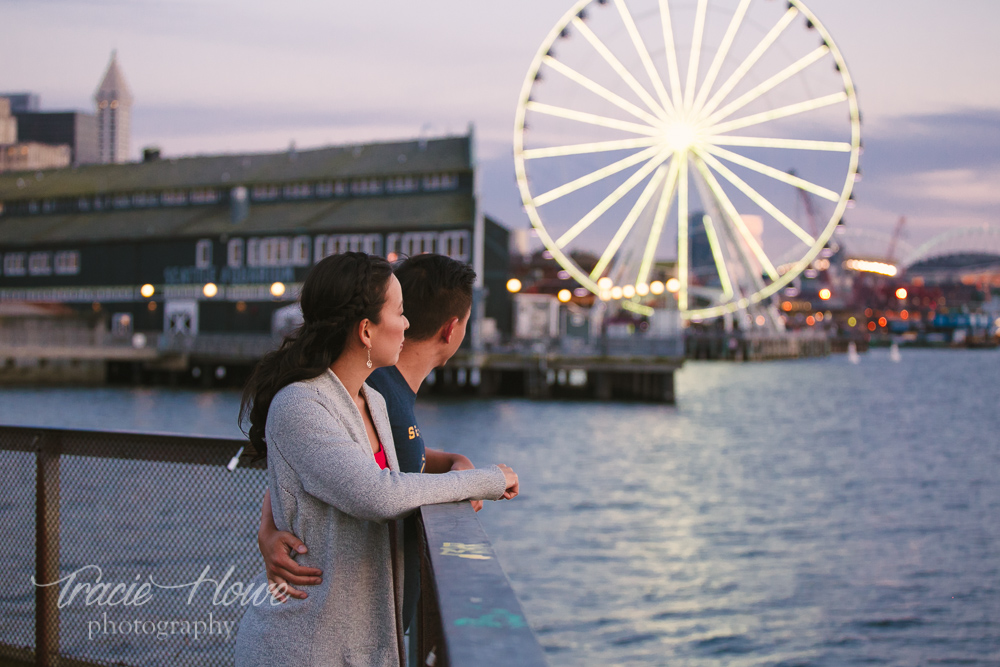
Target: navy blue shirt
(399, 403)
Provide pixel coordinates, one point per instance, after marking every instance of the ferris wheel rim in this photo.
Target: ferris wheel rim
(529, 200)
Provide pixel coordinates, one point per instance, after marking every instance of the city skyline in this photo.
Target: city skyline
(211, 78)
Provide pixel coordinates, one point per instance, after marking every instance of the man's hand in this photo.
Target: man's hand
(281, 568)
(460, 462)
(276, 546)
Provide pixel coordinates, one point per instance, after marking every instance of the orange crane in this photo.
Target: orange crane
(891, 253)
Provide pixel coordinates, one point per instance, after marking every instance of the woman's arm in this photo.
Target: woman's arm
(337, 470)
(275, 547)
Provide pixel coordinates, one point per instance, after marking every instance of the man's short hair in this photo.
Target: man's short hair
(435, 289)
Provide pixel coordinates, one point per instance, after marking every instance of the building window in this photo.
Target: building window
(324, 189)
(400, 184)
(300, 251)
(366, 186)
(173, 198)
(48, 206)
(234, 253)
(416, 243)
(32, 207)
(122, 201)
(264, 192)
(340, 189)
(83, 204)
(40, 264)
(435, 182)
(204, 196)
(67, 263)
(203, 254)
(144, 200)
(14, 264)
(297, 191)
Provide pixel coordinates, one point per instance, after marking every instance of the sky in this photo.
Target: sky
(214, 76)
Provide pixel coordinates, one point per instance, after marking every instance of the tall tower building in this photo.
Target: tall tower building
(114, 115)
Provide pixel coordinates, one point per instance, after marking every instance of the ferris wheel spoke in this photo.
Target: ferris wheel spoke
(628, 223)
(779, 113)
(718, 256)
(683, 250)
(757, 198)
(793, 144)
(591, 119)
(594, 147)
(720, 55)
(600, 90)
(595, 176)
(770, 84)
(750, 61)
(619, 69)
(612, 199)
(694, 60)
(730, 212)
(671, 49)
(738, 248)
(643, 52)
(776, 174)
(662, 211)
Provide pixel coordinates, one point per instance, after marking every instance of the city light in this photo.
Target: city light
(787, 306)
(513, 285)
(882, 321)
(605, 283)
(865, 266)
(642, 289)
(810, 320)
(761, 321)
(852, 321)
(901, 293)
(673, 285)
(871, 326)
(825, 294)
(147, 290)
(564, 295)
(277, 289)
(210, 290)
(616, 292)
(905, 314)
(628, 291)
(656, 287)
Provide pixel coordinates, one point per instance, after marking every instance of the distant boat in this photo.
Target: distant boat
(894, 352)
(852, 353)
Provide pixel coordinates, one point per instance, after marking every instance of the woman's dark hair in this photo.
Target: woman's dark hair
(339, 292)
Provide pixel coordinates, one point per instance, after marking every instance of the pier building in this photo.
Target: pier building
(204, 256)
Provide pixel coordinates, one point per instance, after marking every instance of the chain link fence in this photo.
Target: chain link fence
(149, 543)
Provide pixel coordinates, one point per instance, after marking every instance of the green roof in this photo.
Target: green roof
(451, 154)
(350, 215)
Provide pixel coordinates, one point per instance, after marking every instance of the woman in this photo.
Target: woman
(332, 473)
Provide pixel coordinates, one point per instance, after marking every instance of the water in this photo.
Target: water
(792, 513)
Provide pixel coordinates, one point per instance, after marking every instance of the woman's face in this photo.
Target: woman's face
(387, 335)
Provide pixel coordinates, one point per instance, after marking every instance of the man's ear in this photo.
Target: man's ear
(448, 329)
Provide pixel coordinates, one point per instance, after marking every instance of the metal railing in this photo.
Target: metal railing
(149, 544)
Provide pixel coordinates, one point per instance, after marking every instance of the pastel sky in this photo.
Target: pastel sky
(225, 76)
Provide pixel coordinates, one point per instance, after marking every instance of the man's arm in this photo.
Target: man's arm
(437, 462)
(275, 547)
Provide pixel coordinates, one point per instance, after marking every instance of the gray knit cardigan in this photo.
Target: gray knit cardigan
(327, 488)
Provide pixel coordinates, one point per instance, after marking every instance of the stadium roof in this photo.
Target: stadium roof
(450, 154)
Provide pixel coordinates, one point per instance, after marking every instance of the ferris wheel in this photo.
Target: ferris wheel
(656, 130)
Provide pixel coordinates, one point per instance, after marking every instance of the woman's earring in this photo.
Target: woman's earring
(369, 357)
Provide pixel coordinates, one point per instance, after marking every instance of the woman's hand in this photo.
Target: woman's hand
(511, 477)
(275, 546)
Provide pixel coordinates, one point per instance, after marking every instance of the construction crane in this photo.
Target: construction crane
(890, 254)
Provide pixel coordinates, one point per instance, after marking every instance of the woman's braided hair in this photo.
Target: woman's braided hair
(339, 292)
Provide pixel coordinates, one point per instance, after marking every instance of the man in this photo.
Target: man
(437, 299)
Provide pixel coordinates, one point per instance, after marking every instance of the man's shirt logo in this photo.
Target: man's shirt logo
(414, 432)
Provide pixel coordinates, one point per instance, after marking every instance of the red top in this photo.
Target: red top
(380, 457)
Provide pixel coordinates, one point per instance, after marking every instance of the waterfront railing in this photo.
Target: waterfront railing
(149, 543)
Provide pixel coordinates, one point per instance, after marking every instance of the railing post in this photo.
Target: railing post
(47, 552)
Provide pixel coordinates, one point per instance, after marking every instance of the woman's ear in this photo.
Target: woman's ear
(364, 335)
